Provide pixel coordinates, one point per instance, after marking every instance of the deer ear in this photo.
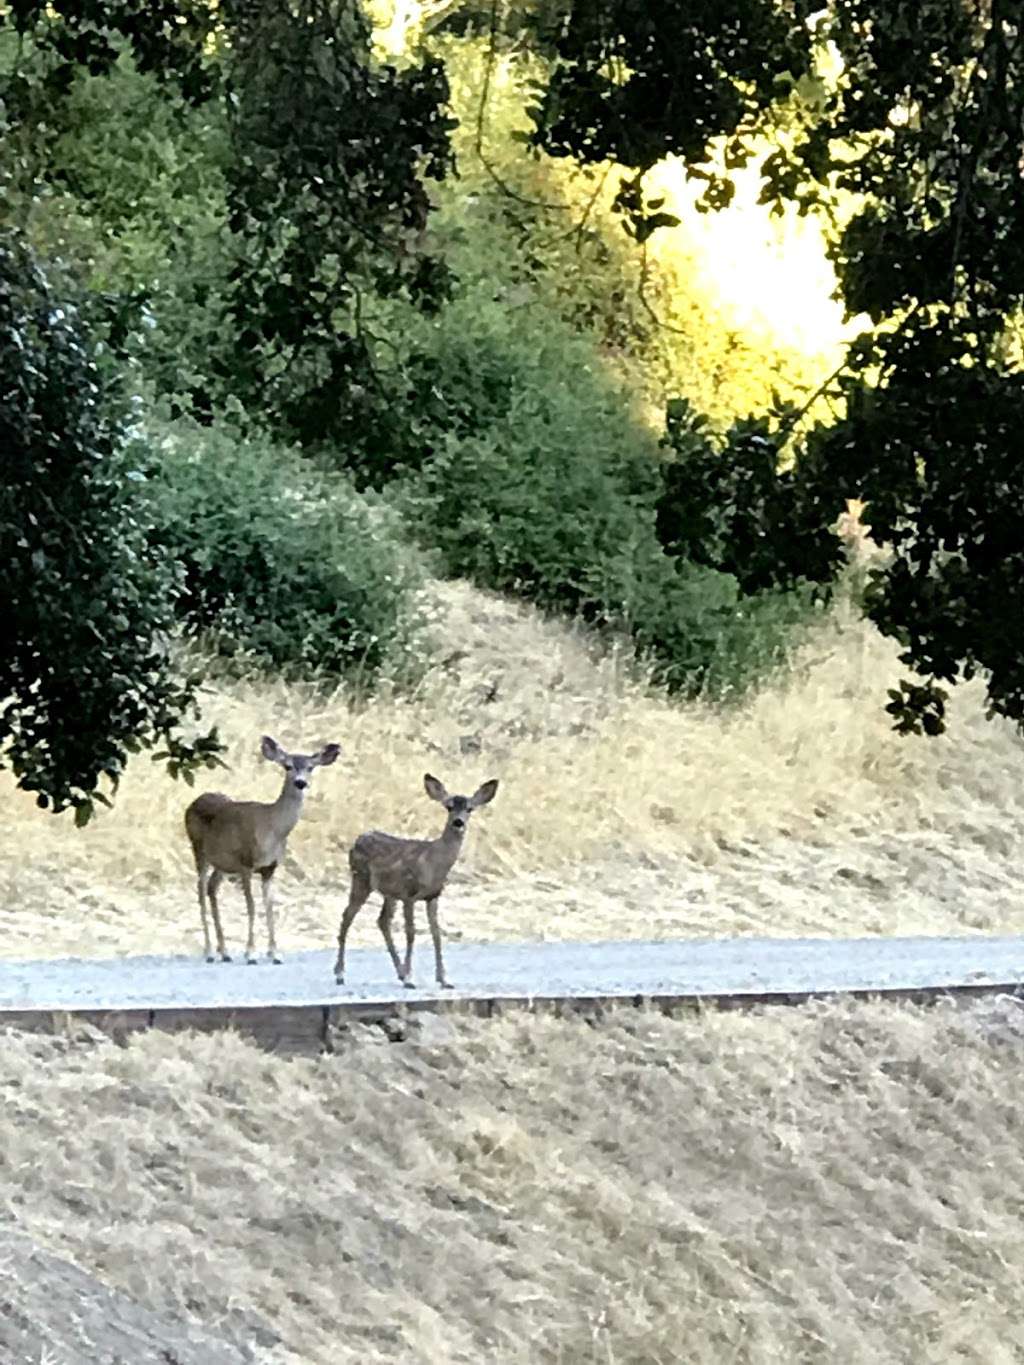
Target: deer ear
(328, 754)
(270, 749)
(435, 790)
(484, 793)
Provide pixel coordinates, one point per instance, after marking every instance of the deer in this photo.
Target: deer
(409, 870)
(238, 838)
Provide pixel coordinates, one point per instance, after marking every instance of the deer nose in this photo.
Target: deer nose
(458, 823)
(301, 784)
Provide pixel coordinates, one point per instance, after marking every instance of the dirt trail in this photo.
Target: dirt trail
(694, 968)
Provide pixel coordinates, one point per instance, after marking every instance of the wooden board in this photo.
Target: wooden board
(308, 1030)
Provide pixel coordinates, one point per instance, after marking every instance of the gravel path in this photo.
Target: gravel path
(701, 967)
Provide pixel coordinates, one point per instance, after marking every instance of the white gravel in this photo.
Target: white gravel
(704, 967)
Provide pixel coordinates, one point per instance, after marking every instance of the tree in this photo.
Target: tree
(85, 670)
(634, 82)
(47, 45)
(923, 129)
(327, 204)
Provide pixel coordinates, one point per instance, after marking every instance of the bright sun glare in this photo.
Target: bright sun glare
(771, 276)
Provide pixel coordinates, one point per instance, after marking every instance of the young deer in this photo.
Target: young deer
(243, 837)
(409, 870)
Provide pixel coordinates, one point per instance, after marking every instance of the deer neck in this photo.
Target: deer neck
(449, 846)
(286, 809)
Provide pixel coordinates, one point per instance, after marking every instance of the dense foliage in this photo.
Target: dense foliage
(633, 83)
(718, 498)
(923, 129)
(317, 178)
(326, 203)
(932, 106)
(283, 567)
(540, 480)
(84, 672)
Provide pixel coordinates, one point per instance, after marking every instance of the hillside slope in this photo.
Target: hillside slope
(620, 813)
(832, 1183)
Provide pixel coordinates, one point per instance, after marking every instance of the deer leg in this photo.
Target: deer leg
(410, 935)
(250, 906)
(201, 878)
(435, 934)
(357, 897)
(267, 879)
(212, 886)
(387, 914)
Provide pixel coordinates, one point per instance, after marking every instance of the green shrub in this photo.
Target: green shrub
(534, 460)
(570, 535)
(546, 485)
(289, 567)
(701, 635)
(531, 518)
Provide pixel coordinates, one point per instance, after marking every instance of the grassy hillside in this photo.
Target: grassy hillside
(835, 1183)
(621, 813)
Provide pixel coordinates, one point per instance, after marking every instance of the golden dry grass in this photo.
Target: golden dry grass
(838, 1183)
(620, 813)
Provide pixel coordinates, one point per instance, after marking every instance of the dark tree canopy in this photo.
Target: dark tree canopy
(635, 82)
(926, 126)
(87, 612)
(326, 201)
(166, 37)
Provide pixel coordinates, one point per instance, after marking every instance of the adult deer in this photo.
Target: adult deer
(242, 837)
(409, 870)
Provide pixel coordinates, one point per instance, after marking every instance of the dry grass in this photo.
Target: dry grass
(619, 814)
(840, 1183)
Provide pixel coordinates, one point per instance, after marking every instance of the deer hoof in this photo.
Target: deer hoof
(252, 962)
(210, 957)
(446, 985)
(275, 959)
(409, 984)
(339, 978)
(225, 957)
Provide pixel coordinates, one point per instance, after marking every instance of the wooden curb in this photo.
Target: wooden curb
(317, 1028)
